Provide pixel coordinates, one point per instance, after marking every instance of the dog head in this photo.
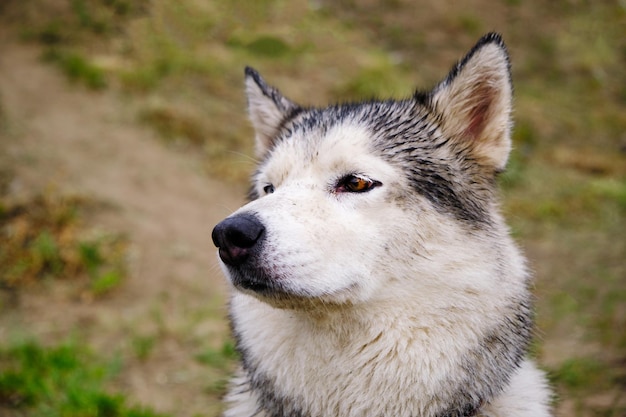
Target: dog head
(367, 200)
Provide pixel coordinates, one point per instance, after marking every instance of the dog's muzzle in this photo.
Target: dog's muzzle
(237, 236)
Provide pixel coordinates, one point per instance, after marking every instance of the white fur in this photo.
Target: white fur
(528, 394)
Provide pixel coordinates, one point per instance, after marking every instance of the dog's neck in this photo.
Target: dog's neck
(296, 357)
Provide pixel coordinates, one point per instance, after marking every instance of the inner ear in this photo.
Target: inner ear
(479, 111)
(475, 102)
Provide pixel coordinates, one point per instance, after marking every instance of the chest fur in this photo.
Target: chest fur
(371, 366)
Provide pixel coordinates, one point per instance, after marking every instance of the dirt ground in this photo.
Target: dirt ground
(85, 143)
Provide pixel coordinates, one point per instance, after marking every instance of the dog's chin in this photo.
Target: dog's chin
(279, 292)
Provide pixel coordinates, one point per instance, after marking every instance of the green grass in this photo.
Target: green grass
(45, 239)
(61, 381)
(69, 26)
(143, 346)
(582, 377)
(219, 358)
(77, 68)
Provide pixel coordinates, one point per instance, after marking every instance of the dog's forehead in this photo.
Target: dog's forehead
(340, 148)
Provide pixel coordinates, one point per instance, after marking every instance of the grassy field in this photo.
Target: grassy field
(181, 63)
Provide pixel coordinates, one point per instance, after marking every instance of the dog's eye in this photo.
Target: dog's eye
(356, 184)
(268, 189)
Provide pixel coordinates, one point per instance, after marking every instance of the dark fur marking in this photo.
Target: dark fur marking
(411, 140)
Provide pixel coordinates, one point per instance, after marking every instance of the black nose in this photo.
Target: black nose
(236, 237)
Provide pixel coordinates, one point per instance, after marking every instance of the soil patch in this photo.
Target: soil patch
(89, 144)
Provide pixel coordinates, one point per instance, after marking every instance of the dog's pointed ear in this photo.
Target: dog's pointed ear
(475, 102)
(267, 109)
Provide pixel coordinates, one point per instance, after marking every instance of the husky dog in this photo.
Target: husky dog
(373, 274)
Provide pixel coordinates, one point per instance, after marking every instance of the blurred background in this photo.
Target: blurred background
(124, 139)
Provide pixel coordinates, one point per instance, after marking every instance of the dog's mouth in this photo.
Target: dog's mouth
(268, 289)
(281, 292)
(255, 280)
(259, 287)
(252, 282)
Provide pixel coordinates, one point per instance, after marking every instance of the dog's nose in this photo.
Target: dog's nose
(236, 236)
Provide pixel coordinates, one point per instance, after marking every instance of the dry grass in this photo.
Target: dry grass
(44, 238)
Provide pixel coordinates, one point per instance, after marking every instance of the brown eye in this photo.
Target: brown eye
(356, 184)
